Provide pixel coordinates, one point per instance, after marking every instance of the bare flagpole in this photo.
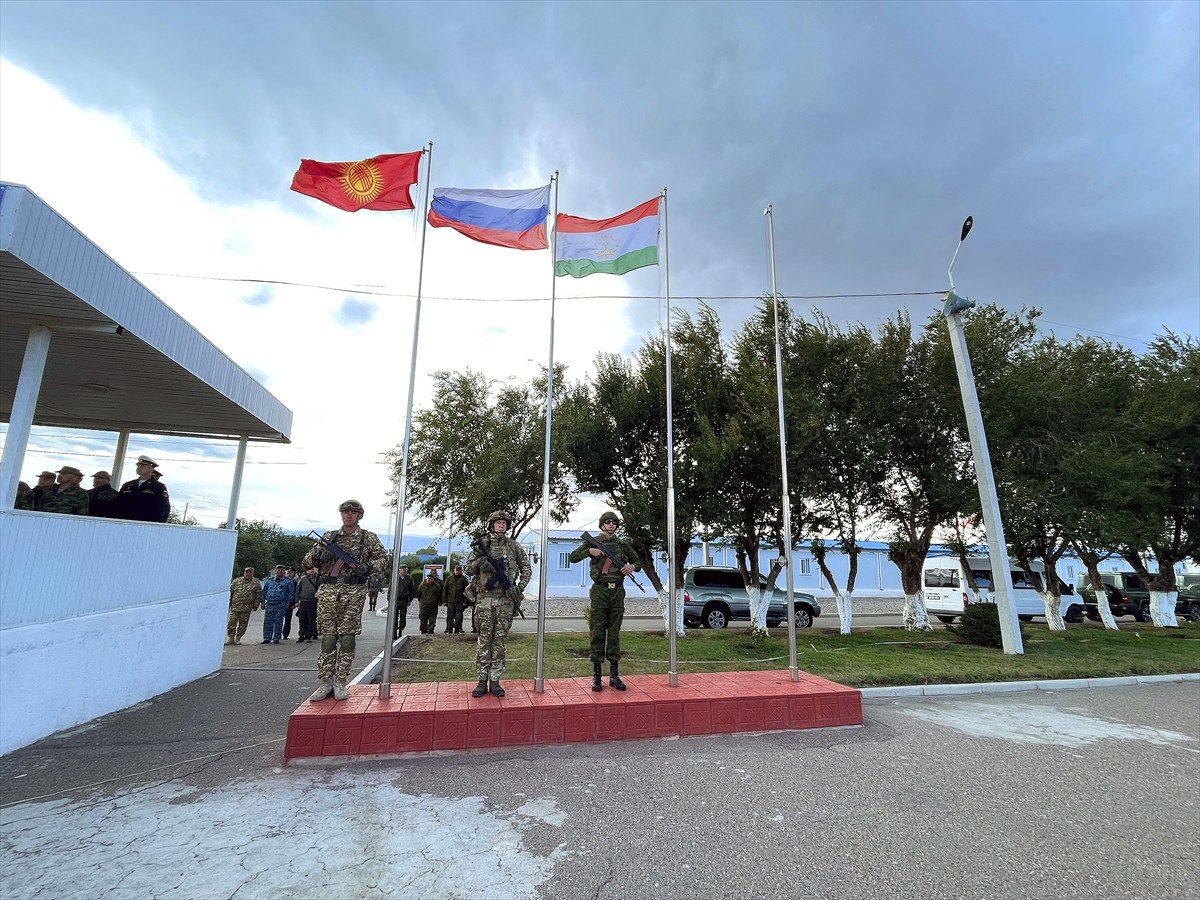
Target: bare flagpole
(786, 550)
(385, 681)
(672, 587)
(539, 684)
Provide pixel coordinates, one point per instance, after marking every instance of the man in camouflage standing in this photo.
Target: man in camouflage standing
(341, 598)
(429, 598)
(402, 595)
(66, 496)
(495, 607)
(608, 598)
(455, 598)
(245, 596)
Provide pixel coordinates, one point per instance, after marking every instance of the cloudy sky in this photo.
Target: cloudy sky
(169, 132)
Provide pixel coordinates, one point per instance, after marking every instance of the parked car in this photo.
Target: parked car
(714, 596)
(1128, 595)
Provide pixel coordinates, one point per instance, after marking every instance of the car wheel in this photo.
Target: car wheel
(1193, 611)
(691, 623)
(946, 619)
(1025, 618)
(1074, 614)
(1092, 614)
(773, 623)
(804, 618)
(1143, 612)
(715, 618)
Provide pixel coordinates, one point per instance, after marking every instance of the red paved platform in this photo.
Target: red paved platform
(444, 715)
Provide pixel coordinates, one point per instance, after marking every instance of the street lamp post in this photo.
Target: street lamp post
(1010, 631)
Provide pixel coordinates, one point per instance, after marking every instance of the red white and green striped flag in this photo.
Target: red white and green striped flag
(610, 246)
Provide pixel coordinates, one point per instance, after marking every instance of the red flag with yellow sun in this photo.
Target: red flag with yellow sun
(381, 182)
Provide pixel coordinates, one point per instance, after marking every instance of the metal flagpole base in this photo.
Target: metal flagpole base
(673, 679)
(539, 685)
(795, 672)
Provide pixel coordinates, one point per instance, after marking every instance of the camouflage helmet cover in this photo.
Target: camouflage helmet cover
(351, 506)
(499, 514)
(610, 516)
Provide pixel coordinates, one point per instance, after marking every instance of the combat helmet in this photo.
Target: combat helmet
(610, 516)
(499, 514)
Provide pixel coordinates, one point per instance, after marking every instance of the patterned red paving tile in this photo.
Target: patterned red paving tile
(379, 733)
(415, 732)
(342, 735)
(610, 722)
(516, 726)
(450, 729)
(751, 715)
(668, 719)
(549, 724)
(579, 723)
(724, 716)
(639, 720)
(697, 716)
(305, 737)
(483, 728)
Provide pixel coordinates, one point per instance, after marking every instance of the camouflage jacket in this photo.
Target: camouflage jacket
(363, 546)
(74, 501)
(429, 592)
(508, 553)
(455, 589)
(620, 547)
(245, 594)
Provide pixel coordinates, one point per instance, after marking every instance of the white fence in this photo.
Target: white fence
(98, 614)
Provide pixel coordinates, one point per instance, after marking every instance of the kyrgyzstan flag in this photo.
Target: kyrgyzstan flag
(381, 182)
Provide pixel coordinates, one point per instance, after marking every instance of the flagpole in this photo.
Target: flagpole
(538, 679)
(672, 587)
(786, 549)
(385, 681)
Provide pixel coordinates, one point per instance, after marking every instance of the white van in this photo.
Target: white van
(947, 592)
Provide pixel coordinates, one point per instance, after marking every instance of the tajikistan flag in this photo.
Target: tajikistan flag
(611, 246)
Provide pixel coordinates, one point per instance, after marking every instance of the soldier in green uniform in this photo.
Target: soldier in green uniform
(608, 598)
(66, 496)
(341, 598)
(455, 598)
(402, 596)
(494, 606)
(429, 598)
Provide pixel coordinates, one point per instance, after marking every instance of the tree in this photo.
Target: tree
(462, 468)
(255, 545)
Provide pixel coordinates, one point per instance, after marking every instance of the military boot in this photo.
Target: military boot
(496, 690)
(339, 690)
(613, 678)
(481, 688)
(323, 691)
(596, 685)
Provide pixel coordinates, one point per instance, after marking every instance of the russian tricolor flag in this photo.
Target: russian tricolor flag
(514, 219)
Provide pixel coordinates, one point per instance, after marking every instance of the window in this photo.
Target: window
(941, 578)
(564, 560)
(805, 566)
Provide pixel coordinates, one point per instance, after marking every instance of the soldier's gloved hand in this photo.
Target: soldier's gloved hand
(485, 566)
(514, 594)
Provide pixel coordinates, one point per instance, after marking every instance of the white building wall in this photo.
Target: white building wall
(98, 614)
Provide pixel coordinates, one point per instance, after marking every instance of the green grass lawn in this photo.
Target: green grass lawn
(878, 656)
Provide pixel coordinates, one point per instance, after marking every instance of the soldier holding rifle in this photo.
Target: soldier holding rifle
(612, 559)
(501, 571)
(346, 558)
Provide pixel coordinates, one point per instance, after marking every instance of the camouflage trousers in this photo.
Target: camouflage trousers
(608, 611)
(454, 616)
(339, 617)
(239, 621)
(493, 618)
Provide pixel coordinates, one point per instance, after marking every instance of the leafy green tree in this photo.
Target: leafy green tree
(480, 446)
(290, 549)
(255, 545)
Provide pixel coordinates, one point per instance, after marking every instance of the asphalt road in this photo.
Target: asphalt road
(1074, 794)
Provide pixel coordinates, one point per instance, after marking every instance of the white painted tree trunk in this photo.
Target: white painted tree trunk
(1053, 618)
(915, 616)
(845, 608)
(665, 609)
(1162, 608)
(759, 602)
(1105, 611)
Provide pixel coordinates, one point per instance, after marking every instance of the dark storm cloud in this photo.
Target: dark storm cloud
(1069, 131)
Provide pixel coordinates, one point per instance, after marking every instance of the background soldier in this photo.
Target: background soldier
(495, 607)
(245, 595)
(402, 597)
(429, 595)
(279, 592)
(608, 598)
(103, 497)
(341, 598)
(65, 497)
(45, 482)
(306, 599)
(455, 594)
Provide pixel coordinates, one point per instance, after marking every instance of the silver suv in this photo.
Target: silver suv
(714, 596)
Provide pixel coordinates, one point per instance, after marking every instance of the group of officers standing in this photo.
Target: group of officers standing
(499, 571)
(141, 499)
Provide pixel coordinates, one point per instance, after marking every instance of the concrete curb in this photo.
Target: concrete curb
(374, 669)
(1005, 687)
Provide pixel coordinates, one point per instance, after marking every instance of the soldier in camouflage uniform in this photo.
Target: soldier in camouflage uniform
(341, 598)
(495, 607)
(65, 497)
(429, 598)
(608, 598)
(245, 596)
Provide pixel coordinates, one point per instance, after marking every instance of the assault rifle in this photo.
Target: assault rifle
(612, 557)
(342, 559)
(499, 575)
